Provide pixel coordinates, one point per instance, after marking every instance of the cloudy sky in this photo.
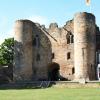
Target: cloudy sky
(42, 11)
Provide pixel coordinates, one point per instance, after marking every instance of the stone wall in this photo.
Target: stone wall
(60, 48)
(6, 74)
(42, 53)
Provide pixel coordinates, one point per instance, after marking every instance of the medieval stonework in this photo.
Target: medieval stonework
(57, 53)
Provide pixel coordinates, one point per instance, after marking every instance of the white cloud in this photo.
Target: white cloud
(39, 19)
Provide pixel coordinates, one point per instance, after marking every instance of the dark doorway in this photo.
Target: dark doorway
(53, 71)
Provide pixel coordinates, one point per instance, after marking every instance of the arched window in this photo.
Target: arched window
(70, 38)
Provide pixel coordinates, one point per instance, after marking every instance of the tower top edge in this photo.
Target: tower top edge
(24, 20)
(84, 14)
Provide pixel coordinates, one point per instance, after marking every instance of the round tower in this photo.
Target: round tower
(84, 46)
(23, 50)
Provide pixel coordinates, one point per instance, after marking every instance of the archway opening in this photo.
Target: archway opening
(53, 71)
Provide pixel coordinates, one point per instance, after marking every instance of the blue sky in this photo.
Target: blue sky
(42, 11)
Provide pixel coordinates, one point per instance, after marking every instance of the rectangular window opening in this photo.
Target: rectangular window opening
(38, 57)
(68, 55)
(53, 55)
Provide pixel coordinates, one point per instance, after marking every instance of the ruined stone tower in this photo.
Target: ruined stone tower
(65, 53)
(23, 50)
(84, 45)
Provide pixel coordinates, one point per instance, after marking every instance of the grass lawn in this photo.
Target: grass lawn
(51, 94)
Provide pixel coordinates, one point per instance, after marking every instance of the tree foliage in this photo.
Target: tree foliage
(7, 51)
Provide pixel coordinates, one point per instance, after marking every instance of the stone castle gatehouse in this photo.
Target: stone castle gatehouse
(66, 53)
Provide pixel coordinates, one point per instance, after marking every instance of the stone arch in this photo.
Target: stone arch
(53, 71)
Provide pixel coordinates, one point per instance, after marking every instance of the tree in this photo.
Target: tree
(7, 52)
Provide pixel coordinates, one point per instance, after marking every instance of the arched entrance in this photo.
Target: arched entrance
(53, 71)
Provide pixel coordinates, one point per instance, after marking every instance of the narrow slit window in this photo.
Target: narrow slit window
(38, 57)
(37, 40)
(68, 55)
(53, 55)
(73, 70)
(72, 39)
(34, 42)
(68, 40)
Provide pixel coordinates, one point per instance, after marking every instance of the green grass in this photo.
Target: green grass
(51, 94)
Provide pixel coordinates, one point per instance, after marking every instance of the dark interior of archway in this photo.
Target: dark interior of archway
(53, 71)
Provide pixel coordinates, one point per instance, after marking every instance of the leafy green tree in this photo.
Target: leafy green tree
(7, 51)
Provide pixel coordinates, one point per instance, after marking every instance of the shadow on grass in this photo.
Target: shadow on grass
(20, 86)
